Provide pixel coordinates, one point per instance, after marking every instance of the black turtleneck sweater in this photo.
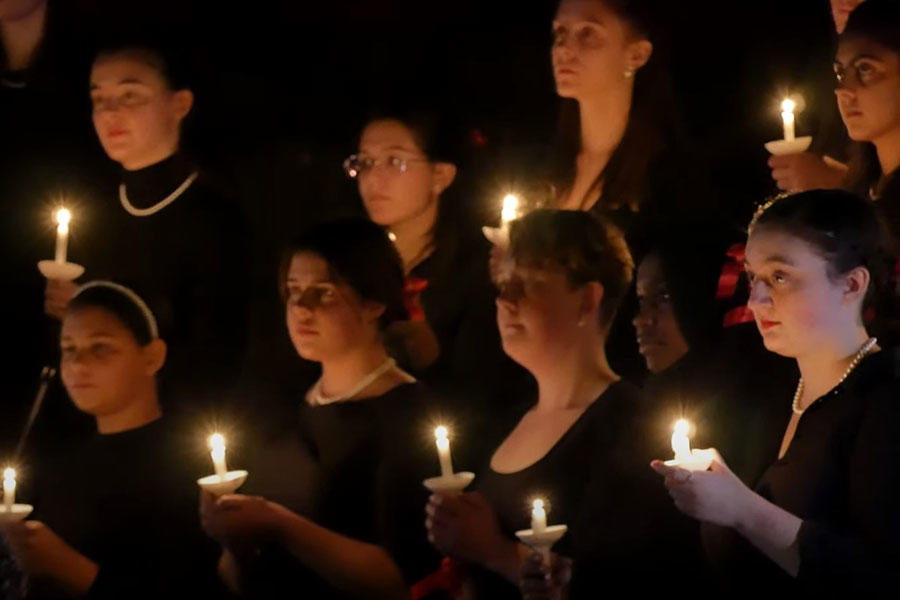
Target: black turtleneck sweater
(189, 261)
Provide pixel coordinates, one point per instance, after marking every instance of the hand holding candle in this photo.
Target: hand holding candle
(540, 536)
(448, 481)
(685, 457)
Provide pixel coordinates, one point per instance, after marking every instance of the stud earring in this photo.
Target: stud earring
(629, 73)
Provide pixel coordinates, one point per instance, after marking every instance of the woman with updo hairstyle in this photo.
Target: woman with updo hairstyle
(117, 511)
(822, 519)
(578, 446)
(364, 426)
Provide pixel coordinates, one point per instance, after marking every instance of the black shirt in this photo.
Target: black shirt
(597, 481)
(370, 457)
(128, 501)
(841, 475)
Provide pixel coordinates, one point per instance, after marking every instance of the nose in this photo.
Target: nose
(759, 295)
(643, 319)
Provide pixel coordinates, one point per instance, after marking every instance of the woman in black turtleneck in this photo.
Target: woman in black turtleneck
(167, 230)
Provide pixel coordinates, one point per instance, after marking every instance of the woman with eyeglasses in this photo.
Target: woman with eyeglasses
(365, 424)
(822, 519)
(578, 443)
(165, 227)
(406, 167)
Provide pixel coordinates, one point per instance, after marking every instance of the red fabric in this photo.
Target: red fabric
(448, 578)
(412, 292)
(736, 316)
(731, 272)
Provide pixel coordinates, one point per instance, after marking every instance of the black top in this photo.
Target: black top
(597, 481)
(481, 387)
(370, 457)
(189, 262)
(841, 475)
(128, 501)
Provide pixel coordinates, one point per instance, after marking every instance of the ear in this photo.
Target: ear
(639, 53)
(372, 311)
(154, 356)
(591, 299)
(443, 173)
(856, 284)
(182, 102)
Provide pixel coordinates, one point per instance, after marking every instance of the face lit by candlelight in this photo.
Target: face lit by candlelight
(17, 9)
(659, 337)
(868, 92)
(103, 367)
(137, 115)
(326, 318)
(391, 196)
(798, 306)
(594, 50)
(541, 316)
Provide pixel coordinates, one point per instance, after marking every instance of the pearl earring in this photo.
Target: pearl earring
(629, 73)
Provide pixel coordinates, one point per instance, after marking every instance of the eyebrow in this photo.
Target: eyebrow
(774, 258)
(126, 81)
(93, 335)
(860, 57)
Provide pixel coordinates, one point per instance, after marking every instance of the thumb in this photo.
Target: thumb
(718, 464)
(834, 164)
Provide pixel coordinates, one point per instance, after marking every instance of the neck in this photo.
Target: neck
(139, 411)
(603, 121)
(342, 373)
(164, 152)
(575, 379)
(21, 36)
(888, 149)
(822, 369)
(415, 236)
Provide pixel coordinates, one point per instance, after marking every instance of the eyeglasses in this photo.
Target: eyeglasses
(128, 99)
(356, 164)
(863, 73)
(314, 296)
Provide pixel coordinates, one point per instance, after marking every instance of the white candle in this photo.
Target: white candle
(685, 457)
(217, 446)
(443, 448)
(9, 488)
(538, 517)
(63, 217)
(787, 116)
(510, 210)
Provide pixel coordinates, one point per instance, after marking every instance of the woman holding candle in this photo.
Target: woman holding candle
(115, 518)
(364, 425)
(579, 436)
(406, 170)
(822, 517)
(165, 227)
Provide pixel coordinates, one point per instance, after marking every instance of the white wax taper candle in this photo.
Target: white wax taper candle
(63, 217)
(787, 117)
(681, 443)
(510, 209)
(217, 452)
(443, 448)
(538, 517)
(9, 488)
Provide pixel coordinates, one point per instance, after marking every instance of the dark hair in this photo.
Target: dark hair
(878, 21)
(652, 120)
(846, 230)
(587, 247)
(167, 60)
(119, 302)
(358, 253)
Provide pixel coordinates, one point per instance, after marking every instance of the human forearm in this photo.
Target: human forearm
(773, 531)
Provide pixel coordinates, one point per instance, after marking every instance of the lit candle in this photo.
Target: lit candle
(63, 217)
(9, 488)
(217, 446)
(787, 115)
(510, 210)
(443, 447)
(685, 457)
(538, 517)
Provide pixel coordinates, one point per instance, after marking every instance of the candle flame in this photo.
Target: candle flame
(217, 442)
(9, 475)
(788, 105)
(63, 216)
(537, 505)
(510, 208)
(440, 433)
(681, 443)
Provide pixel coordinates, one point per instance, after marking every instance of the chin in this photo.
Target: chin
(88, 403)
(566, 90)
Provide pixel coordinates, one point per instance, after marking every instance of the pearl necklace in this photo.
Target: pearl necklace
(146, 212)
(860, 354)
(317, 399)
